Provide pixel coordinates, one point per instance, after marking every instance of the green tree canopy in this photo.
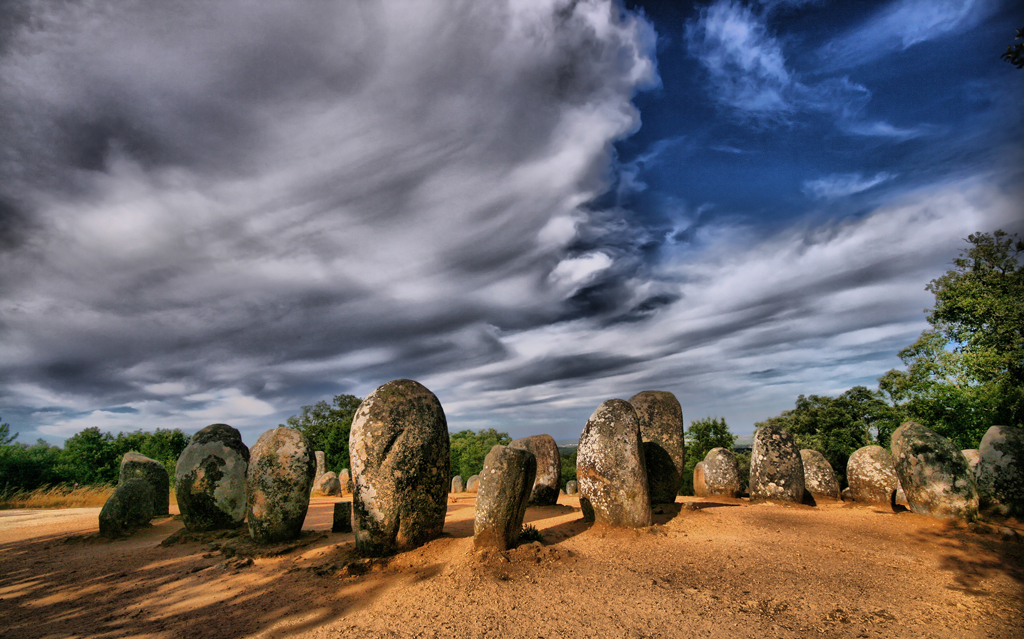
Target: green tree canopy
(703, 435)
(328, 426)
(469, 448)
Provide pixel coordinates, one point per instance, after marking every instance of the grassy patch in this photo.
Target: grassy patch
(56, 497)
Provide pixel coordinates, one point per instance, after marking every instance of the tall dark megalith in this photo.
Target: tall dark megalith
(549, 468)
(661, 430)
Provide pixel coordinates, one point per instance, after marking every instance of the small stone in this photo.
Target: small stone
(661, 430)
(871, 476)
(572, 487)
(721, 473)
(136, 465)
(847, 494)
(549, 468)
(819, 478)
(700, 487)
(129, 508)
(933, 473)
(473, 484)
(327, 484)
(209, 479)
(458, 486)
(278, 482)
(776, 469)
(342, 517)
(345, 479)
(505, 486)
(1000, 470)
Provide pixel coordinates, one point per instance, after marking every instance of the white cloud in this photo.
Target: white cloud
(841, 185)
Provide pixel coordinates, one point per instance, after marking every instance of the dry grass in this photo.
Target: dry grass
(56, 497)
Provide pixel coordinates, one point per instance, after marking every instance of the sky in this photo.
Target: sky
(221, 212)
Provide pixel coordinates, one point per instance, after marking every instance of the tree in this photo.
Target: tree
(328, 426)
(1015, 52)
(89, 457)
(468, 450)
(5, 434)
(703, 435)
(568, 462)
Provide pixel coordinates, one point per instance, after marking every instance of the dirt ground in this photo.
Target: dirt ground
(726, 568)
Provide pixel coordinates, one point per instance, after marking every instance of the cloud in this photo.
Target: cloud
(841, 185)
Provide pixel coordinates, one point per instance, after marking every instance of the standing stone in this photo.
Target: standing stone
(1000, 471)
(135, 465)
(473, 484)
(321, 463)
(400, 468)
(327, 484)
(458, 486)
(721, 474)
(819, 478)
(130, 507)
(342, 517)
(661, 429)
(700, 487)
(776, 470)
(934, 473)
(610, 468)
(278, 483)
(572, 487)
(549, 468)
(209, 479)
(505, 486)
(346, 481)
(871, 476)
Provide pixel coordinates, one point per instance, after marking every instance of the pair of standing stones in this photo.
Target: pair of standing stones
(143, 492)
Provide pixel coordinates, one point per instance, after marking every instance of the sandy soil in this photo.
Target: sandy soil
(725, 569)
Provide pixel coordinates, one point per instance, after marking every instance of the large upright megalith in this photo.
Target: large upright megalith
(1000, 470)
(871, 476)
(721, 474)
(137, 465)
(819, 478)
(549, 468)
(321, 463)
(129, 508)
(400, 468)
(506, 483)
(610, 468)
(661, 430)
(209, 479)
(776, 469)
(934, 473)
(279, 480)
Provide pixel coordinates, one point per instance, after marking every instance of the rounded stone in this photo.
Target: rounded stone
(1000, 470)
(458, 486)
(209, 479)
(549, 468)
(700, 486)
(278, 483)
(327, 484)
(506, 483)
(934, 473)
(776, 469)
(401, 466)
(847, 494)
(136, 465)
(572, 487)
(871, 476)
(473, 483)
(610, 468)
(129, 508)
(721, 473)
(661, 430)
(346, 481)
(819, 478)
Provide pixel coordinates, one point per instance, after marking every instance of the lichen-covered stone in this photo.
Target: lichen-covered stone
(700, 487)
(871, 476)
(346, 481)
(1000, 470)
(209, 479)
(321, 463)
(661, 430)
(549, 468)
(934, 473)
(400, 468)
(610, 468)
(458, 486)
(506, 483)
(776, 469)
(327, 484)
(136, 465)
(721, 473)
(973, 456)
(281, 470)
(819, 478)
(572, 487)
(129, 508)
(473, 483)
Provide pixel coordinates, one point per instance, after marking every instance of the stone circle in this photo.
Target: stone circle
(721, 473)
(776, 469)
(934, 473)
(819, 478)
(871, 476)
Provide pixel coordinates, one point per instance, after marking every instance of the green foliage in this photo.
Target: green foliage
(5, 435)
(743, 462)
(24, 467)
(568, 467)
(703, 435)
(1015, 52)
(327, 426)
(468, 450)
(529, 533)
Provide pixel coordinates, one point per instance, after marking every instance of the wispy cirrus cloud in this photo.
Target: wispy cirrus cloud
(841, 185)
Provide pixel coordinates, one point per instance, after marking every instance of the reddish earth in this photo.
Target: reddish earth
(727, 569)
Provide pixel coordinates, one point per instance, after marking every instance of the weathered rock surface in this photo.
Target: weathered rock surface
(700, 486)
(572, 487)
(458, 486)
(506, 483)
(137, 465)
(934, 473)
(871, 475)
(473, 484)
(346, 481)
(400, 468)
(973, 456)
(848, 494)
(776, 469)
(129, 508)
(209, 479)
(661, 430)
(819, 478)
(1000, 470)
(327, 484)
(721, 473)
(549, 468)
(610, 468)
(281, 470)
(321, 463)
